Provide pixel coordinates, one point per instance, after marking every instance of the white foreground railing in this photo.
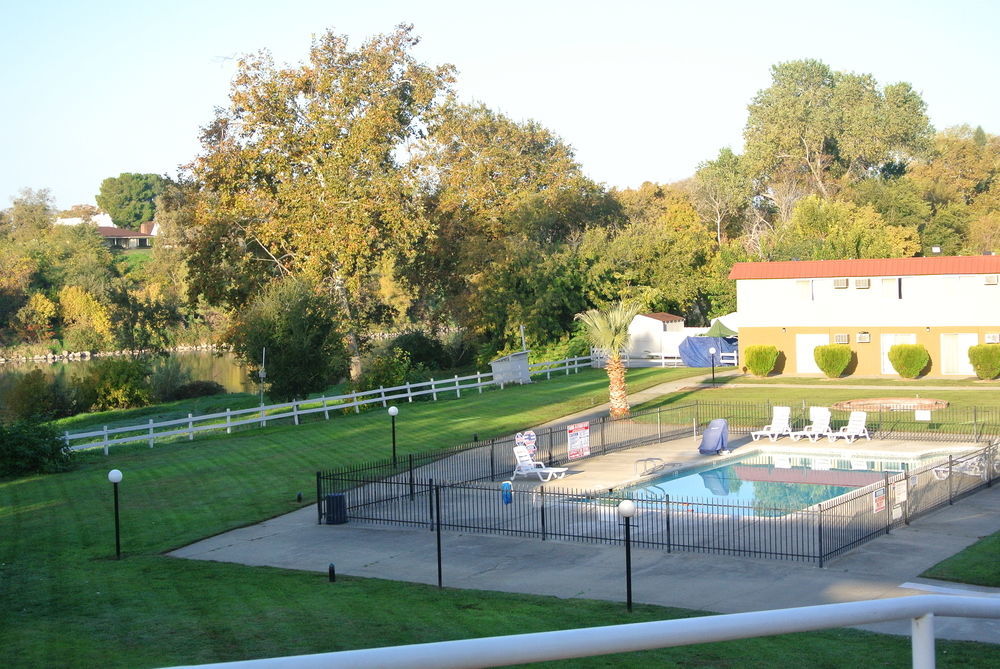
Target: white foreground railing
(191, 425)
(589, 641)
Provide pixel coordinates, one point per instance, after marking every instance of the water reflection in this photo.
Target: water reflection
(222, 368)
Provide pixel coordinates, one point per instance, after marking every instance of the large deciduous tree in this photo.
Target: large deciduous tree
(832, 126)
(130, 199)
(720, 192)
(305, 174)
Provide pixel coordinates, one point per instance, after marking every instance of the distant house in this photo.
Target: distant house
(945, 303)
(129, 239)
(100, 220)
(657, 335)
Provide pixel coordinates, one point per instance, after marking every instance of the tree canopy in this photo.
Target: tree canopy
(130, 199)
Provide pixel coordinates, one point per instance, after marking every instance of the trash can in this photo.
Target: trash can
(336, 509)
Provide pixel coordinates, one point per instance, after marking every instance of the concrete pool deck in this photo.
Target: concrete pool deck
(889, 566)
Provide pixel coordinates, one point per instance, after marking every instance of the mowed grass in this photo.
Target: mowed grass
(979, 564)
(66, 602)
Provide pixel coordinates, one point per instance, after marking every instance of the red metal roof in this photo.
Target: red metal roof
(807, 269)
(122, 233)
(664, 317)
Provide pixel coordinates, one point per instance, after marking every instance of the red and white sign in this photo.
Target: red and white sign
(578, 440)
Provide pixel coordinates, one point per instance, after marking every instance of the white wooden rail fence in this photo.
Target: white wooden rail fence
(191, 425)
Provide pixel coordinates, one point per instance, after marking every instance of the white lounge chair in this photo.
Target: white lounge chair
(779, 425)
(820, 427)
(525, 466)
(854, 429)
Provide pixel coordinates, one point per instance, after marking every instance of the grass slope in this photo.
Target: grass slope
(979, 564)
(64, 600)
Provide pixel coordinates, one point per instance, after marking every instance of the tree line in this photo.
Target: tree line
(354, 193)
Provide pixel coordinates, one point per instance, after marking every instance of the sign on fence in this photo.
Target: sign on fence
(878, 500)
(578, 440)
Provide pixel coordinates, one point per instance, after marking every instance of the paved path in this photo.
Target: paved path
(886, 567)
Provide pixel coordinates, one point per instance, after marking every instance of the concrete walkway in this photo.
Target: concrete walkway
(889, 566)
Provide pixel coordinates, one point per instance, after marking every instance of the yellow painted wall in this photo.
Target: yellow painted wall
(869, 356)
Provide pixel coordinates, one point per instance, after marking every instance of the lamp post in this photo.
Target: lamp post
(262, 375)
(392, 413)
(115, 476)
(711, 352)
(626, 509)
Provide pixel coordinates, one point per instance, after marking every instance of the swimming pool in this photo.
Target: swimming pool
(769, 479)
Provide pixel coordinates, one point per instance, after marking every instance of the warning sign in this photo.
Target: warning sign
(878, 501)
(578, 440)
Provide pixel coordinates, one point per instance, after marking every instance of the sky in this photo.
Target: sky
(642, 90)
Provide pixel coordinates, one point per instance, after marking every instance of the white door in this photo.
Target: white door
(890, 340)
(805, 362)
(955, 353)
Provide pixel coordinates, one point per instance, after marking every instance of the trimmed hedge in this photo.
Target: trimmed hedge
(833, 359)
(985, 359)
(909, 360)
(760, 360)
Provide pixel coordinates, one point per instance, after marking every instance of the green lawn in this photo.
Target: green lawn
(64, 600)
(979, 564)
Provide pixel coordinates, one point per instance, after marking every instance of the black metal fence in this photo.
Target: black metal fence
(456, 490)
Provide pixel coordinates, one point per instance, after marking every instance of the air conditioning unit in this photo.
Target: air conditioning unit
(991, 338)
(841, 339)
(840, 283)
(990, 279)
(863, 338)
(862, 283)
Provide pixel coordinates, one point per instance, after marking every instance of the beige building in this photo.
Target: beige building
(946, 304)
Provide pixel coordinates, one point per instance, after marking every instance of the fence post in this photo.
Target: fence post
(659, 433)
(479, 381)
(382, 390)
(548, 374)
(493, 466)
(951, 499)
(319, 499)
(151, 439)
(667, 498)
(229, 429)
(975, 423)
(434, 394)
(458, 388)
(541, 507)
(295, 411)
(412, 485)
(430, 503)
(819, 533)
(437, 510)
(409, 392)
(105, 440)
(357, 407)
(190, 428)
(888, 502)
(66, 438)
(326, 411)
(263, 417)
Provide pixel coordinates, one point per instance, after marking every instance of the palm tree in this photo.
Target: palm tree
(608, 330)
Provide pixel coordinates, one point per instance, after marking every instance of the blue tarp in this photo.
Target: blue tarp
(694, 350)
(715, 439)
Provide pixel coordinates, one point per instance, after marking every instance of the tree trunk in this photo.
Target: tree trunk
(616, 387)
(339, 293)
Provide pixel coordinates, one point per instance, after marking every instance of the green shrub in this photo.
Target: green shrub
(29, 447)
(194, 389)
(422, 348)
(389, 369)
(909, 360)
(985, 359)
(167, 376)
(34, 395)
(833, 359)
(114, 384)
(760, 360)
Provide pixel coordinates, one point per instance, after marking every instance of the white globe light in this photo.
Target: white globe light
(626, 508)
(115, 476)
(393, 411)
(712, 350)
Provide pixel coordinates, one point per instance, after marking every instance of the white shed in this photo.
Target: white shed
(657, 336)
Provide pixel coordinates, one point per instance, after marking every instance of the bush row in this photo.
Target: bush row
(909, 360)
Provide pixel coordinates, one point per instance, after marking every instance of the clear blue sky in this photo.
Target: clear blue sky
(644, 91)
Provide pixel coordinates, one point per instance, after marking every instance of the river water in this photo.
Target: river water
(223, 368)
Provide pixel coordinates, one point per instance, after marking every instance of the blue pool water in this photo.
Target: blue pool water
(791, 480)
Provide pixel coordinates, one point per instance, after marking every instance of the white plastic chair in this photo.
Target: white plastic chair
(779, 425)
(854, 429)
(820, 427)
(525, 466)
